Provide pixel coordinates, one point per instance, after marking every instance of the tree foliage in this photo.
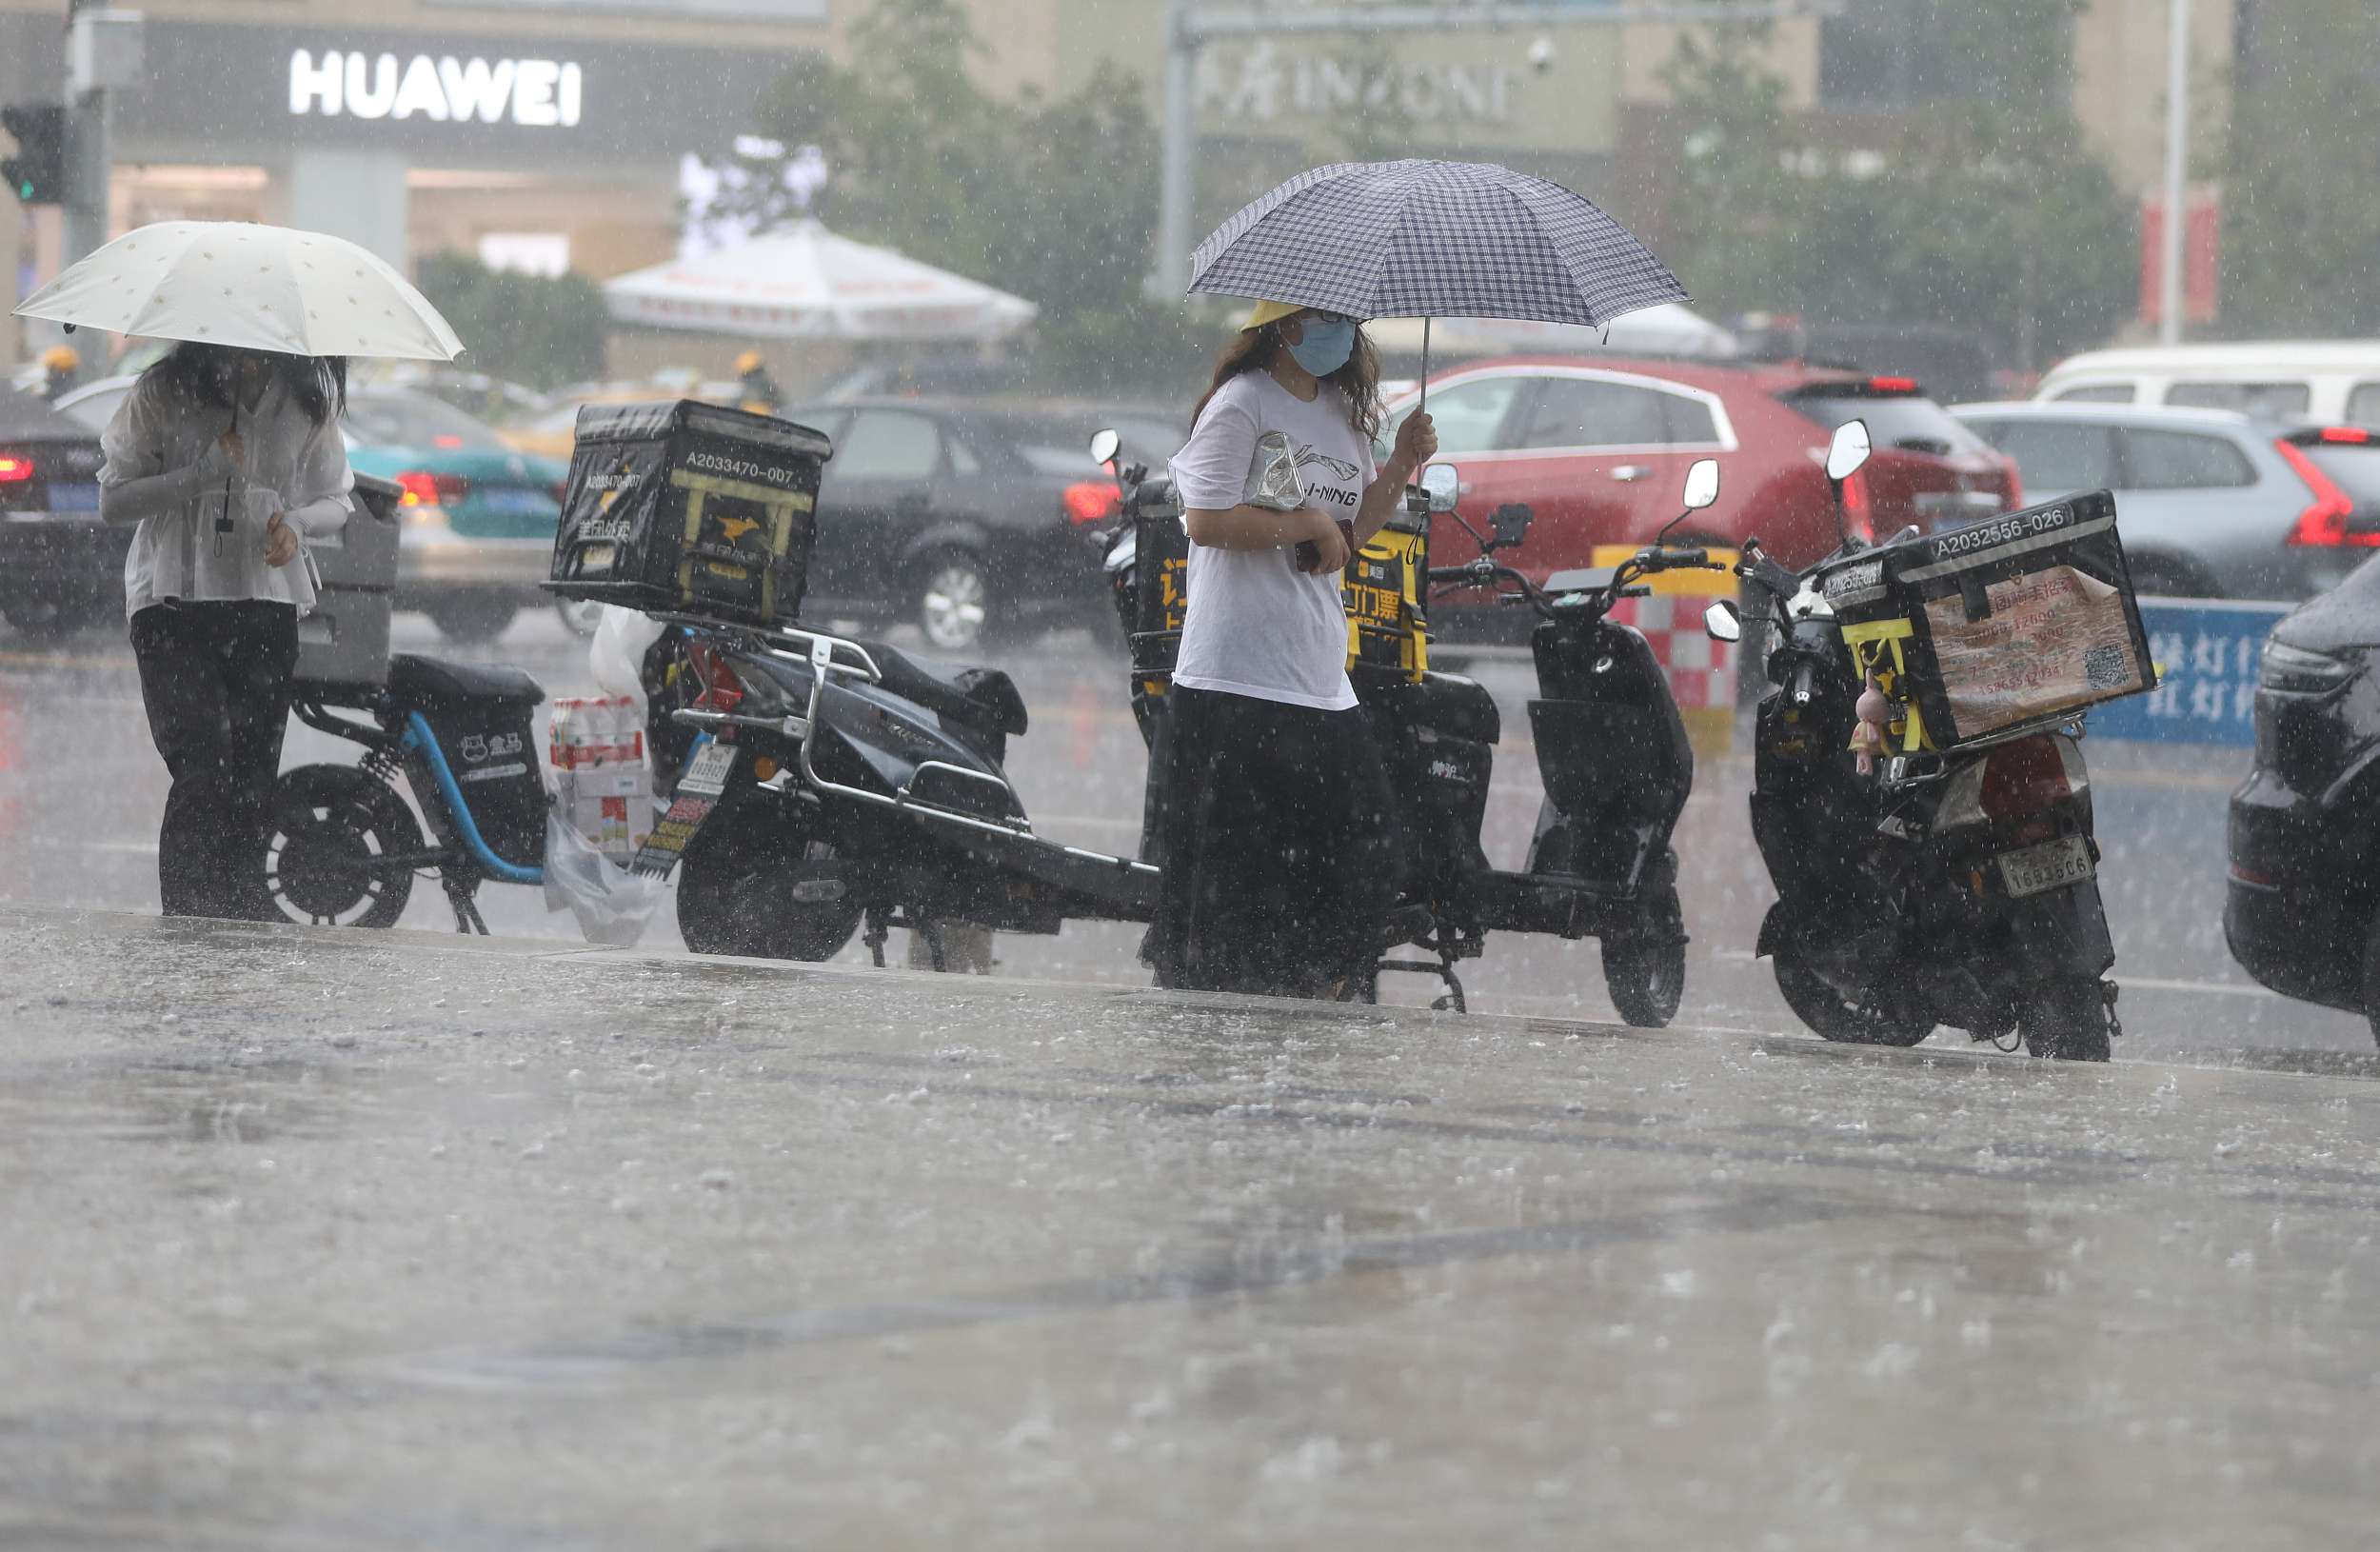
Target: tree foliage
(1983, 210)
(534, 330)
(2301, 218)
(1054, 199)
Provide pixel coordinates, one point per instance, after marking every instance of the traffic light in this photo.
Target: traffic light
(36, 174)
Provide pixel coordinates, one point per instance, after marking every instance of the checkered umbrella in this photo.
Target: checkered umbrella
(1421, 239)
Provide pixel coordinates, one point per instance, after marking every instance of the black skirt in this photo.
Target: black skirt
(1277, 837)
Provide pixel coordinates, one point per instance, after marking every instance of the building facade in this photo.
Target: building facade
(547, 134)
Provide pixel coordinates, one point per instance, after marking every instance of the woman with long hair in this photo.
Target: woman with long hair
(229, 461)
(1279, 868)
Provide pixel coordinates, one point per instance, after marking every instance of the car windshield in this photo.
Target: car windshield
(1910, 422)
(416, 420)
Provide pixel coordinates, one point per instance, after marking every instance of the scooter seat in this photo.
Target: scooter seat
(425, 682)
(1452, 706)
(984, 697)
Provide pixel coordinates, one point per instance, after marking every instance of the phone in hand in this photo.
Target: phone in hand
(1310, 554)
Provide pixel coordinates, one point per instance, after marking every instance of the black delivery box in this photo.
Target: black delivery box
(1160, 562)
(2022, 619)
(691, 508)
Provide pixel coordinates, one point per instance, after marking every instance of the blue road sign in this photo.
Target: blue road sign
(2208, 655)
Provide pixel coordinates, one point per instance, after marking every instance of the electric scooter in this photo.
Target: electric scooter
(1612, 748)
(1955, 889)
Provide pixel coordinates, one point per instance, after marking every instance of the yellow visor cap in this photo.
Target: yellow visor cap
(1265, 312)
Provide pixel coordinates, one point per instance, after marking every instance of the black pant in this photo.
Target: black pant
(216, 680)
(1278, 844)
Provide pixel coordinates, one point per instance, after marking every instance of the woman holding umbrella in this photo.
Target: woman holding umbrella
(229, 461)
(1279, 869)
(1276, 869)
(226, 457)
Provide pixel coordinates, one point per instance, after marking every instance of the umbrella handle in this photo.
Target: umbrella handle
(223, 519)
(1423, 407)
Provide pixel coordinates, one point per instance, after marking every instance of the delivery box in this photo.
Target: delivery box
(689, 508)
(2022, 619)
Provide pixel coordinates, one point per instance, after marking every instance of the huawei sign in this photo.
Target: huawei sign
(536, 93)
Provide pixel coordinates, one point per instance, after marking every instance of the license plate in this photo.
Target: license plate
(501, 502)
(707, 773)
(2053, 864)
(74, 498)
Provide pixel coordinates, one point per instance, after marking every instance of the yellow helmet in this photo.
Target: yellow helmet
(748, 362)
(61, 358)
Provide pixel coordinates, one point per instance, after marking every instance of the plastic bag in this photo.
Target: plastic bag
(612, 904)
(616, 656)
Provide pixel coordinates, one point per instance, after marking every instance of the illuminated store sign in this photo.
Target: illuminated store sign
(534, 93)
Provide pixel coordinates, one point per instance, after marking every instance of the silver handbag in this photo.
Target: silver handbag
(1273, 477)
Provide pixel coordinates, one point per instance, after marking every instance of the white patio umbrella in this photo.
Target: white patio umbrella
(806, 283)
(253, 286)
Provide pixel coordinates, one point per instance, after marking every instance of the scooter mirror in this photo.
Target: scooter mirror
(1723, 623)
(1849, 450)
(1105, 444)
(1509, 524)
(1702, 484)
(1442, 482)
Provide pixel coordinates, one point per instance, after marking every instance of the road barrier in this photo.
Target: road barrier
(1703, 673)
(2208, 653)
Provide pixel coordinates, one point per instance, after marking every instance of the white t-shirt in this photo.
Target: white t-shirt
(1256, 625)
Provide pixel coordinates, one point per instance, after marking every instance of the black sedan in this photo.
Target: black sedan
(60, 568)
(2303, 912)
(970, 522)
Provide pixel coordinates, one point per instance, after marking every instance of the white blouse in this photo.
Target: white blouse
(168, 470)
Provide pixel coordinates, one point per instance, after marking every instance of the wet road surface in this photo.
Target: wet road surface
(324, 1239)
(81, 786)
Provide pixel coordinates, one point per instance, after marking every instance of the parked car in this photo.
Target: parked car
(1600, 453)
(551, 432)
(2212, 503)
(965, 520)
(478, 517)
(61, 570)
(2302, 907)
(1952, 363)
(2271, 379)
(492, 400)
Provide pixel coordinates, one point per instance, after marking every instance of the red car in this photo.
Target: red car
(1598, 449)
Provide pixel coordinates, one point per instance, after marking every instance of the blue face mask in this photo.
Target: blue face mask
(1325, 348)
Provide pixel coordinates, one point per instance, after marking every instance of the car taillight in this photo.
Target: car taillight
(2324, 523)
(2024, 778)
(1858, 511)
(722, 690)
(1092, 500)
(1892, 385)
(15, 469)
(423, 488)
(2015, 483)
(2355, 436)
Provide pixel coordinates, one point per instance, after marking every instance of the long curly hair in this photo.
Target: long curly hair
(1358, 381)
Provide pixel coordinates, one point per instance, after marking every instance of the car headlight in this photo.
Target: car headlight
(2301, 673)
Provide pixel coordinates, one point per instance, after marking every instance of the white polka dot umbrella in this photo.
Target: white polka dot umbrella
(257, 287)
